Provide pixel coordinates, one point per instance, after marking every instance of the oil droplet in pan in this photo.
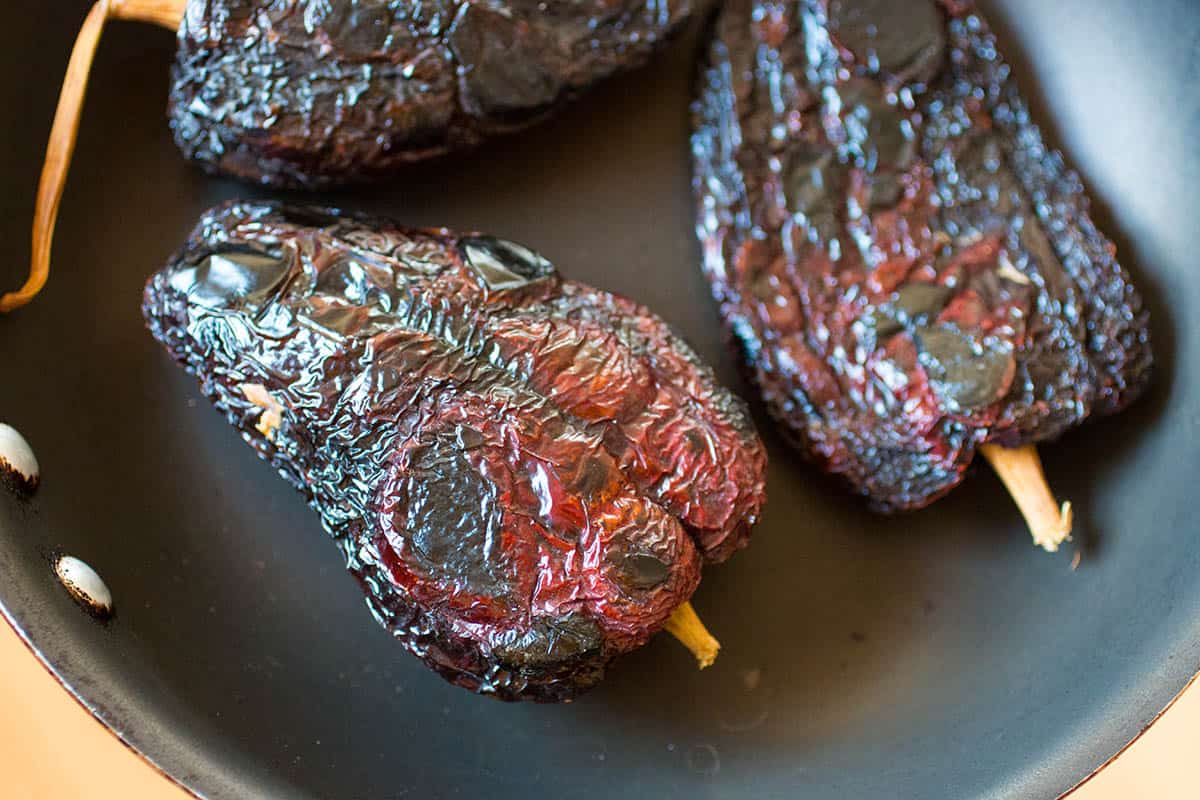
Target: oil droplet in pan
(84, 585)
(18, 466)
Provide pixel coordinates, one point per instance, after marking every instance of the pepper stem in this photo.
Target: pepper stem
(1021, 471)
(166, 13)
(686, 626)
(60, 148)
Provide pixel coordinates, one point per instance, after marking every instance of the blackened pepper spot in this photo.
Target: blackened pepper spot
(878, 132)
(454, 523)
(905, 39)
(500, 67)
(913, 303)
(503, 264)
(880, 138)
(547, 642)
(353, 281)
(813, 180)
(591, 476)
(356, 30)
(915, 300)
(965, 372)
(237, 277)
(641, 571)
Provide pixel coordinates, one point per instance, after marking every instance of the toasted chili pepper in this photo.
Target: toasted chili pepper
(524, 473)
(910, 272)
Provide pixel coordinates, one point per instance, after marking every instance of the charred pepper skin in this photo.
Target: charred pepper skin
(308, 94)
(524, 473)
(908, 270)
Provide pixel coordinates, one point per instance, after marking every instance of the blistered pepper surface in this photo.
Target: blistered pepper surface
(524, 473)
(313, 92)
(908, 269)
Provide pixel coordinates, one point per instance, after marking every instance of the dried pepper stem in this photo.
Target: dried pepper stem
(685, 625)
(60, 148)
(167, 13)
(1021, 471)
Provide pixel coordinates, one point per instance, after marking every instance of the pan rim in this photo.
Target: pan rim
(132, 736)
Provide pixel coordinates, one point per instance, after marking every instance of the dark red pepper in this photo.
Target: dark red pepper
(524, 473)
(910, 273)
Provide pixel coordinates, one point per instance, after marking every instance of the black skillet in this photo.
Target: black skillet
(935, 655)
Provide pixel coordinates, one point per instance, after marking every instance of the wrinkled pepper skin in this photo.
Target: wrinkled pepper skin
(524, 473)
(308, 93)
(908, 270)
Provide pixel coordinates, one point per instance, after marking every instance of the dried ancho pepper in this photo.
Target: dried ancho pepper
(910, 272)
(309, 93)
(525, 474)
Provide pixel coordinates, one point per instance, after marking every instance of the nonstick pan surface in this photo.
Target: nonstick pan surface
(933, 655)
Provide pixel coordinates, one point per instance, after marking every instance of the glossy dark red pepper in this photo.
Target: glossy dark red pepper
(524, 473)
(318, 93)
(909, 271)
